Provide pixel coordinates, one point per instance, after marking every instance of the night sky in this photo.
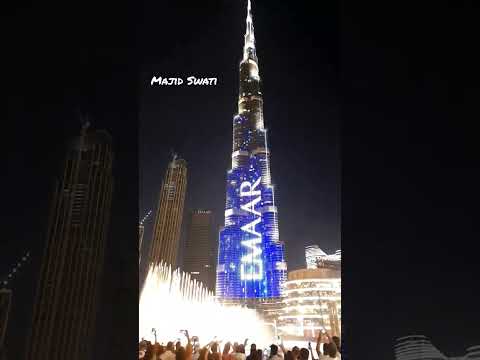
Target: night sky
(410, 175)
(382, 93)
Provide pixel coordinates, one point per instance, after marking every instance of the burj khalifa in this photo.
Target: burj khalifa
(251, 264)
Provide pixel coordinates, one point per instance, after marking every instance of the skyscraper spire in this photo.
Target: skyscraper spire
(249, 47)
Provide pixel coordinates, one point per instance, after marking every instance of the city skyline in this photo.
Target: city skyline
(405, 74)
(308, 190)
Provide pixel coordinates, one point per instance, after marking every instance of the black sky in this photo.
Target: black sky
(299, 87)
(409, 175)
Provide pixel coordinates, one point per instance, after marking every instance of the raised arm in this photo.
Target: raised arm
(331, 342)
(319, 339)
(311, 350)
(284, 352)
(226, 348)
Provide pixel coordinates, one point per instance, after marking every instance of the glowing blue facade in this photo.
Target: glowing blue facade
(251, 262)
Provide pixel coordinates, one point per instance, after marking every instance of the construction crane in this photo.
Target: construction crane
(145, 217)
(15, 269)
(141, 230)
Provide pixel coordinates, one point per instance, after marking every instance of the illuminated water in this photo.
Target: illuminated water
(171, 301)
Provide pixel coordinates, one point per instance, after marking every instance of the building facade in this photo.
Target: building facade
(168, 221)
(473, 353)
(415, 347)
(69, 287)
(251, 265)
(419, 347)
(199, 257)
(312, 253)
(312, 302)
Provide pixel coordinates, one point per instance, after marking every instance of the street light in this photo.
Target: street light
(154, 332)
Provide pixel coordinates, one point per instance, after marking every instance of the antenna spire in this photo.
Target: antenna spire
(249, 47)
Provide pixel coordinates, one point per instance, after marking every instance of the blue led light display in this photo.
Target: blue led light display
(250, 262)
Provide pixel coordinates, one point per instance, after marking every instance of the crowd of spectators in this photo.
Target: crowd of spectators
(327, 348)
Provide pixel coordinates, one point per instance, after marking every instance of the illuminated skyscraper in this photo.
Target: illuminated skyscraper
(251, 263)
(168, 222)
(68, 291)
(199, 259)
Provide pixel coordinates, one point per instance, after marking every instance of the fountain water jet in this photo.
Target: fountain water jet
(171, 301)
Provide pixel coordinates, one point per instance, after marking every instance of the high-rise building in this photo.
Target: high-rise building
(5, 302)
(168, 222)
(199, 259)
(251, 265)
(68, 291)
